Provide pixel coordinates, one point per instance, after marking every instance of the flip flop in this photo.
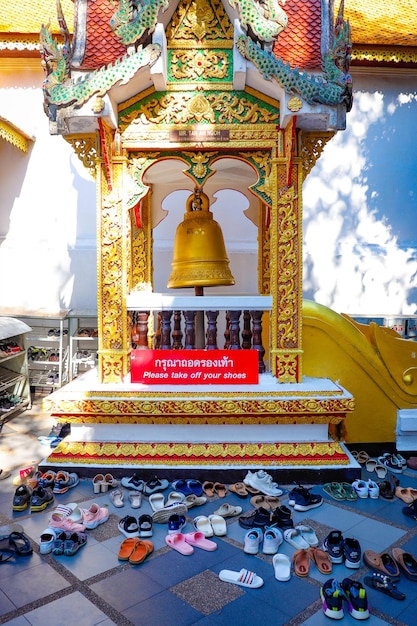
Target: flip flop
(227, 510)
(208, 488)
(294, 537)
(381, 470)
(282, 567)
(157, 501)
(322, 560)
(142, 548)
(126, 548)
(301, 563)
(178, 543)
(135, 498)
(308, 534)
(361, 456)
(407, 563)
(218, 525)
(244, 578)
(349, 491)
(383, 563)
(193, 500)
(371, 465)
(220, 489)
(406, 494)
(116, 496)
(335, 491)
(198, 540)
(239, 489)
(175, 496)
(383, 583)
(202, 524)
(20, 543)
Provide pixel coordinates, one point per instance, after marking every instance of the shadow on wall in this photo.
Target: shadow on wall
(359, 221)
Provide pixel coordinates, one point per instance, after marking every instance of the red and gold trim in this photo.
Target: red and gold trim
(200, 454)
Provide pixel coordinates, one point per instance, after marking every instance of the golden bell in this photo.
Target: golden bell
(200, 258)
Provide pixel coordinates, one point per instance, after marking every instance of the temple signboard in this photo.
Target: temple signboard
(196, 367)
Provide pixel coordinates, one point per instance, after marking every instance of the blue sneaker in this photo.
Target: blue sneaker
(352, 553)
(175, 524)
(332, 597)
(355, 594)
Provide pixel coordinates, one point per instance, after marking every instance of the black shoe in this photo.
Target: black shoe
(282, 517)
(352, 553)
(411, 510)
(41, 497)
(21, 498)
(356, 596)
(303, 500)
(383, 583)
(259, 518)
(334, 545)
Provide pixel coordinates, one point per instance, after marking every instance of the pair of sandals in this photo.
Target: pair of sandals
(340, 491)
(15, 544)
(301, 561)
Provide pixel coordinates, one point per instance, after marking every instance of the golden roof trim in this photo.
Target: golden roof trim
(384, 54)
(14, 135)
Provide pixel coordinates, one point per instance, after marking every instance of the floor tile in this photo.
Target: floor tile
(72, 610)
(125, 589)
(161, 610)
(31, 584)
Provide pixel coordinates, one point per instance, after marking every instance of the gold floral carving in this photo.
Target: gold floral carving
(287, 268)
(287, 365)
(175, 108)
(200, 19)
(112, 272)
(198, 108)
(264, 269)
(211, 409)
(235, 454)
(311, 145)
(192, 65)
(294, 104)
(85, 147)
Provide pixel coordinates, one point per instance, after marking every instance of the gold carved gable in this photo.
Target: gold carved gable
(196, 21)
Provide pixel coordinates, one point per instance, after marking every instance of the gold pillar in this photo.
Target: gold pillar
(113, 266)
(286, 269)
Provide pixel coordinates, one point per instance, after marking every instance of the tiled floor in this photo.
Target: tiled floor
(94, 587)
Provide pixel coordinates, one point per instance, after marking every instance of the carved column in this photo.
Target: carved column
(113, 266)
(286, 266)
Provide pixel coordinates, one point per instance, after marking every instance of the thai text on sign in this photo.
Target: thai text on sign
(199, 367)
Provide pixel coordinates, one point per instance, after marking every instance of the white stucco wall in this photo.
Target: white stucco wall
(47, 209)
(360, 218)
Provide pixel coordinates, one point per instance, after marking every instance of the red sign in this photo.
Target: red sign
(194, 367)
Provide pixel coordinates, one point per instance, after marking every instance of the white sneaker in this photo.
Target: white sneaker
(361, 488)
(262, 481)
(373, 489)
(47, 541)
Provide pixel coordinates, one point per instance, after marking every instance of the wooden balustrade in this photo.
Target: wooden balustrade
(180, 328)
(169, 333)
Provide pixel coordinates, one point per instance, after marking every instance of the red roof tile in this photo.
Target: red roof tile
(299, 44)
(102, 46)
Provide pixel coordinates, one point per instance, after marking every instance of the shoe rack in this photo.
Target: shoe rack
(83, 342)
(14, 375)
(46, 347)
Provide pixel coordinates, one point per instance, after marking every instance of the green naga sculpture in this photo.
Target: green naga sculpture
(332, 87)
(58, 87)
(135, 19)
(264, 20)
